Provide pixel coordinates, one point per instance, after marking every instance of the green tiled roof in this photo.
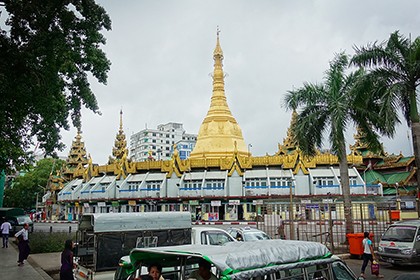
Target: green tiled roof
(371, 176)
(392, 178)
(391, 190)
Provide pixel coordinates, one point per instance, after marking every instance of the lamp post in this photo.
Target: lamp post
(291, 217)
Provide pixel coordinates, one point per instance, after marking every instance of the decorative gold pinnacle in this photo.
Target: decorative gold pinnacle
(219, 130)
(120, 143)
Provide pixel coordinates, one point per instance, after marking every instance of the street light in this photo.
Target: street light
(292, 225)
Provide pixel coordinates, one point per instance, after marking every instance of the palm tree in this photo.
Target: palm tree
(332, 107)
(394, 72)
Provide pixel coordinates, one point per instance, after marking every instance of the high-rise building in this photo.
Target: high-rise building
(157, 144)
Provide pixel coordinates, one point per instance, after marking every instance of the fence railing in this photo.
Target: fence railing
(325, 223)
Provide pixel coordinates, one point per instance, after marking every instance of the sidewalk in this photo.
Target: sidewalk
(9, 268)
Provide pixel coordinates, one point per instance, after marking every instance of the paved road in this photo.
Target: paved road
(387, 270)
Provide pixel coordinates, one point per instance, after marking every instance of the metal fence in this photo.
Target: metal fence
(324, 223)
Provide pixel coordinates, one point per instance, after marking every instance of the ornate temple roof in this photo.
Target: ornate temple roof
(219, 135)
(120, 143)
(360, 148)
(289, 143)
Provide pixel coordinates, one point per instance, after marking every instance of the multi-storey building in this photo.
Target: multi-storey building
(158, 143)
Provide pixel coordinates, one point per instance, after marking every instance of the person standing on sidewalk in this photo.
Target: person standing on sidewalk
(368, 254)
(280, 229)
(67, 265)
(23, 243)
(5, 228)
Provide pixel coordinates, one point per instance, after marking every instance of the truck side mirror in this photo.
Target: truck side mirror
(418, 238)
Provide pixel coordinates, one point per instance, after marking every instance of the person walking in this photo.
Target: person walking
(280, 229)
(5, 229)
(23, 243)
(368, 255)
(67, 265)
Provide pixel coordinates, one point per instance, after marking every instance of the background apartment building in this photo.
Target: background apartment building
(158, 143)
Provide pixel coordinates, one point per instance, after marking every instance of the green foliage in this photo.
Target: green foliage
(45, 242)
(331, 107)
(22, 194)
(394, 71)
(47, 50)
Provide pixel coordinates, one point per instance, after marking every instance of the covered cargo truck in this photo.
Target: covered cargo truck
(102, 239)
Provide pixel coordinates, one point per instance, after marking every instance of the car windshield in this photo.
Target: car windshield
(23, 219)
(255, 235)
(400, 234)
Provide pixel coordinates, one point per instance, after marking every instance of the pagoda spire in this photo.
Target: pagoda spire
(219, 130)
(120, 143)
(289, 143)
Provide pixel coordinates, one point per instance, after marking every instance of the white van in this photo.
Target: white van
(400, 244)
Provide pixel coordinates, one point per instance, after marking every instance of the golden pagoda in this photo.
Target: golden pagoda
(219, 134)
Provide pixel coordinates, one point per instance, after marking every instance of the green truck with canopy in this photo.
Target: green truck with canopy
(265, 259)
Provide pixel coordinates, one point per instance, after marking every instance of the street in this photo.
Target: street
(387, 270)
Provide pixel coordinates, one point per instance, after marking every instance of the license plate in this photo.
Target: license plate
(390, 261)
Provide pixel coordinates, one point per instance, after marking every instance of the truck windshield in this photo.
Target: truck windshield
(23, 219)
(400, 234)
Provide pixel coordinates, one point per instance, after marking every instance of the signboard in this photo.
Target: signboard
(327, 200)
(86, 205)
(194, 202)
(76, 204)
(258, 201)
(216, 203)
(409, 204)
(305, 201)
(101, 204)
(115, 203)
(234, 202)
(312, 206)
(213, 216)
(132, 202)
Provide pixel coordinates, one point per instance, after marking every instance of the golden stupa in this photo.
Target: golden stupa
(219, 134)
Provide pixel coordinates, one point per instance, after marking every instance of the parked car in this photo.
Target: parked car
(248, 234)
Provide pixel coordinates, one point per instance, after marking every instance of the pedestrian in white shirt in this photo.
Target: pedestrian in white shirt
(23, 243)
(5, 228)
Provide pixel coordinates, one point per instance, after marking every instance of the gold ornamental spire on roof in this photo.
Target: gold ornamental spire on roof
(289, 143)
(219, 131)
(120, 143)
(77, 153)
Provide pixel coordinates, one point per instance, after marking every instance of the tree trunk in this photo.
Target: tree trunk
(345, 185)
(415, 131)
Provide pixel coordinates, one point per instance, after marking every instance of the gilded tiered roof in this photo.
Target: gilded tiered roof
(360, 148)
(219, 134)
(120, 143)
(77, 157)
(289, 143)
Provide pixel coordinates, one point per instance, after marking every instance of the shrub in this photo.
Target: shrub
(45, 242)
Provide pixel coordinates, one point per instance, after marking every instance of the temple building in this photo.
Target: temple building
(395, 173)
(220, 179)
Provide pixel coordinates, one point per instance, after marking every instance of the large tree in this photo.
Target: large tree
(331, 107)
(394, 73)
(47, 50)
(24, 189)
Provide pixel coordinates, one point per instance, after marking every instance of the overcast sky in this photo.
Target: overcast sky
(161, 54)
